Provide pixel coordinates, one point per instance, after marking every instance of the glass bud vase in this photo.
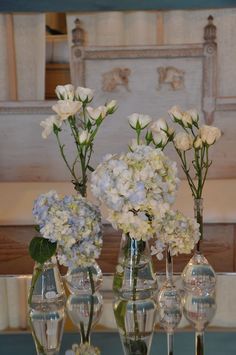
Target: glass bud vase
(198, 275)
(169, 304)
(84, 305)
(135, 288)
(199, 282)
(46, 303)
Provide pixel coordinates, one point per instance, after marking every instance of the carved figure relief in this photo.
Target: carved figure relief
(114, 78)
(171, 76)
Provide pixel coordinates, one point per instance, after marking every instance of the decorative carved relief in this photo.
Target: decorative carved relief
(114, 78)
(171, 76)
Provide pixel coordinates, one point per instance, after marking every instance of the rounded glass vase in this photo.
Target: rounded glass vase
(199, 282)
(135, 288)
(46, 303)
(84, 304)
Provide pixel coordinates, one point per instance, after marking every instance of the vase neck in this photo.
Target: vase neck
(198, 214)
(169, 265)
(133, 248)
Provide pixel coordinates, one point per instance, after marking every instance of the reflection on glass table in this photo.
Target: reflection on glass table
(220, 338)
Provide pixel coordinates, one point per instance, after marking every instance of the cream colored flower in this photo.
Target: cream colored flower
(96, 113)
(186, 119)
(176, 112)
(66, 108)
(84, 136)
(194, 114)
(84, 94)
(111, 105)
(139, 119)
(159, 138)
(183, 141)
(159, 126)
(48, 125)
(65, 92)
(197, 143)
(209, 134)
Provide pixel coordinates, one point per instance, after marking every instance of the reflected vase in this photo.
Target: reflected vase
(199, 282)
(135, 289)
(46, 303)
(169, 304)
(84, 304)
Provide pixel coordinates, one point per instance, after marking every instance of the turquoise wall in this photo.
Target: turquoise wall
(108, 5)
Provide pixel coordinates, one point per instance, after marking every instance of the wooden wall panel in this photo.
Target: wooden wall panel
(219, 248)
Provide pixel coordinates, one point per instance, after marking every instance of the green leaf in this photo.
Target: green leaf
(41, 249)
(90, 168)
(56, 129)
(120, 312)
(37, 228)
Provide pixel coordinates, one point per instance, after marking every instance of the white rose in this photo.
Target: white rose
(48, 125)
(183, 141)
(139, 119)
(194, 114)
(66, 108)
(209, 134)
(84, 136)
(159, 126)
(159, 138)
(197, 143)
(66, 92)
(186, 119)
(96, 113)
(111, 106)
(176, 112)
(84, 94)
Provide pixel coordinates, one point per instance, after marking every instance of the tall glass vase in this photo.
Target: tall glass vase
(47, 308)
(84, 305)
(199, 281)
(169, 304)
(135, 287)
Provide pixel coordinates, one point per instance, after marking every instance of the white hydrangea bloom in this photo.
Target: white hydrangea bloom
(136, 187)
(177, 232)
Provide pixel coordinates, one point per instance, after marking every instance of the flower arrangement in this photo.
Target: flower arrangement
(177, 233)
(72, 225)
(192, 145)
(137, 188)
(73, 110)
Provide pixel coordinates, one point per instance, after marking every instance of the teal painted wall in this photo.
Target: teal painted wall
(108, 5)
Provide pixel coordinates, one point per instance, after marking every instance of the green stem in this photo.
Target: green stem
(199, 218)
(91, 303)
(186, 171)
(82, 332)
(64, 157)
(135, 262)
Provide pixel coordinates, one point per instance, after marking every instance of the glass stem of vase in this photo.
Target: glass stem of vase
(198, 214)
(199, 343)
(169, 265)
(170, 343)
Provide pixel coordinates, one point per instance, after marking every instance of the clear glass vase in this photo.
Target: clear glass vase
(47, 308)
(135, 287)
(198, 275)
(169, 304)
(199, 282)
(84, 305)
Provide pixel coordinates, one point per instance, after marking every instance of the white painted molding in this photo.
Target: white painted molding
(26, 107)
(17, 200)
